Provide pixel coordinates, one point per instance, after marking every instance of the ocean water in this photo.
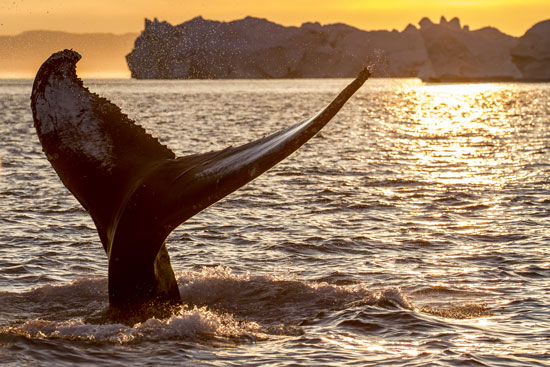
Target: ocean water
(414, 230)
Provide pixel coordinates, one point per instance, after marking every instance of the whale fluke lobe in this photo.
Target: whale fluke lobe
(135, 189)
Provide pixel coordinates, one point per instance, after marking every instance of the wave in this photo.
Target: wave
(268, 298)
(219, 306)
(464, 311)
(195, 323)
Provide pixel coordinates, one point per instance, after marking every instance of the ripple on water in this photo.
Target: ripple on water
(412, 231)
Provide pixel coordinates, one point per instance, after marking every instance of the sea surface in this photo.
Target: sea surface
(414, 230)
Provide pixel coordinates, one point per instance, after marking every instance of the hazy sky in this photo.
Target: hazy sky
(119, 16)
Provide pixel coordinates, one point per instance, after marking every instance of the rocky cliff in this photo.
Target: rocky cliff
(532, 53)
(258, 48)
(456, 53)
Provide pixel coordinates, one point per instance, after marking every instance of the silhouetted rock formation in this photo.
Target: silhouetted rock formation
(532, 53)
(457, 53)
(257, 48)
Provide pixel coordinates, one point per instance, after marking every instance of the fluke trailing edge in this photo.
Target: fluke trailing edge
(135, 188)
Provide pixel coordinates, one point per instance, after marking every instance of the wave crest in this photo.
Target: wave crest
(196, 323)
(219, 305)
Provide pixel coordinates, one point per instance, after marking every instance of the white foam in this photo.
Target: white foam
(222, 305)
(186, 324)
(286, 295)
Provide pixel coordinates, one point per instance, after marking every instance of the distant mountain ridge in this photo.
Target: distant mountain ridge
(103, 53)
(257, 48)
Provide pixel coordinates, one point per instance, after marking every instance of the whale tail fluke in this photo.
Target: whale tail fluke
(134, 188)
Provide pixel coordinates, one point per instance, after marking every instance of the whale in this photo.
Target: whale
(134, 188)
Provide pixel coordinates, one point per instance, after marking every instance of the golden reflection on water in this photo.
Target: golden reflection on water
(371, 348)
(454, 131)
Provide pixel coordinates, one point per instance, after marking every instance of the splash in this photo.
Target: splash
(220, 306)
(195, 323)
(267, 298)
(378, 63)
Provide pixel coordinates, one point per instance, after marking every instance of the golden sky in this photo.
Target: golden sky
(120, 16)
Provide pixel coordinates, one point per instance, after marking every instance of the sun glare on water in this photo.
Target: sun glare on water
(455, 132)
